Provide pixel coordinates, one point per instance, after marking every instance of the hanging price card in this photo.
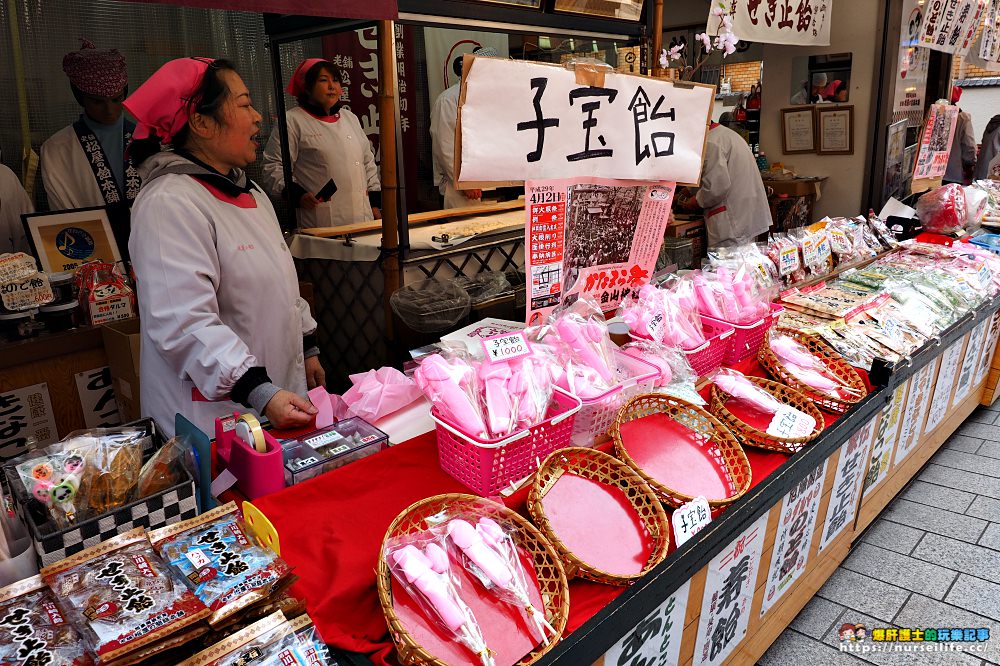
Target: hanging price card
(690, 519)
(506, 346)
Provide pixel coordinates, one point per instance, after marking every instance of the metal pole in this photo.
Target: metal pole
(387, 145)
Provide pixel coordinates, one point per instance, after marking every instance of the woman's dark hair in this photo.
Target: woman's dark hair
(313, 75)
(209, 98)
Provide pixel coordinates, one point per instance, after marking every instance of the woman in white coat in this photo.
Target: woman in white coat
(325, 142)
(222, 323)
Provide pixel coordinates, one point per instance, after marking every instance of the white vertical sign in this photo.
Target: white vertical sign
(969, 364)
(657, 639)
(886, 436)
(794, 536)
(951, 25)
(851, 468)
(916, 410)
(945, 381)
(986, 358)
(26, 417)
(729, 588)
(97, 397)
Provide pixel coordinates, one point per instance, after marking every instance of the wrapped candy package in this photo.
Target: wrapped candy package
(34, 630)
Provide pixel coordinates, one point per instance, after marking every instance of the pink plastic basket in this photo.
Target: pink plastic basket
(487, 466)
(747, 338)
(709, 356)
(634, 376)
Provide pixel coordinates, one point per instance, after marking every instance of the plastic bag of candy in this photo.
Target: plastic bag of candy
(271, 641)
(944, 210)
(34, 629)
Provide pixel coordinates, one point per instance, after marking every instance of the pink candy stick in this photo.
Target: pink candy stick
(811, 377)
(789, 349)
(437, 379)
(499, 407)
(742, 389)
(471, 543)
(417, 568)
(666, 374)
(584, 338)
(491, 532)
(706, 299)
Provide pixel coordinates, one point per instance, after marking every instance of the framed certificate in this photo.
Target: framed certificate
(798, 131)
(64, 240)
(835, 130)
(628, 10)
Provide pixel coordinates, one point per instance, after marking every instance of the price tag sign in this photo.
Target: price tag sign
(197, 558)
(690, 519)
(789, 422)
(506, 347)
(16, 266)
(27, 293)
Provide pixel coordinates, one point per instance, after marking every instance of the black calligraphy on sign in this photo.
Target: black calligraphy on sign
(649, 643)
(729, 599)
(644, 631)
(662, 142)
(540, 123)
(772, 11)
(590, 122)
(805, 15)
(105, 408)
(752, 7)
(786, 15)
(844, 492)
(135, 599)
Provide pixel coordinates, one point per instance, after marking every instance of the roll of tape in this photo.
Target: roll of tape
(249, 430)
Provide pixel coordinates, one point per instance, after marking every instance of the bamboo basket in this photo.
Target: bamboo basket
(599, 466)
(724, 448)
(551, 576)
(834, 362)
(751, 436)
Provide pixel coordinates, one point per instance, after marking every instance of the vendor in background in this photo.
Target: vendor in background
(222, 323)
(325, 142)
(84, 164)
(989, 148)
(962, 159)
(14, 202)
(732, 192)
(444, 118)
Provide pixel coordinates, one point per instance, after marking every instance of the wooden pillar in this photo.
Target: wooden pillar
(387, 143)
(654, 65)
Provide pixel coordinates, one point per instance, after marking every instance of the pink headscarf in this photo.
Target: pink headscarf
(297, 86)
(99, 72)
(163, 104)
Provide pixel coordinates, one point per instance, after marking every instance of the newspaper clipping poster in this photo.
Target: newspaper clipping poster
(935, 146)
(591, 236)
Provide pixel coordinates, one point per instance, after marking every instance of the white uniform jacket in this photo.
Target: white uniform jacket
(218, 294)
(66, 173)
(732, 192)
(13, 202)
(322, 150)
(444, 118)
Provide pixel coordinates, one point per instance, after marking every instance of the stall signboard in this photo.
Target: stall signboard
(942, 390)
(729, 589)
(973, 351)
(911, 67)
(986, 53)
(794, 536)
(851, 468)
(523, 121)
(935, 147)
(593, 237)
(796, 22)
(26, 420)
(97, 397)
(921, 387)
(986, 359)
(370, 9)
(886, 436)
(657, 638)
(951, 25)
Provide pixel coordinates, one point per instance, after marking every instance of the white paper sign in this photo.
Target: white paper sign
(506, 346)
(529, 121)
(26, 413)
(789, 422)
(921, 385)
(942, 391)
(656, 641)
(986, 53)
(97, 397)
(16, 266)
(794, 536)
(935, 144)
(690, 518)
(197, 558)
(885, 440)
(851, 468)
(26, 293)
(798, 22)
(986, 358)
(911, 67)
(950, 25)
(729, 588)
(972, 353)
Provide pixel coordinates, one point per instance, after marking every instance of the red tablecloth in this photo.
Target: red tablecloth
(331, 529)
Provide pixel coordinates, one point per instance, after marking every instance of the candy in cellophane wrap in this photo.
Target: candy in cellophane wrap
(734, 296)
(451, 382)
(676, 377)
(786, 255)
(421, 564)
(785, 420)
(316, 651)
(817, 255)
(976, 203)
(943, 210)
(806, 368)
(487, 551)
(34, 630)
(221, 561)
(748, 256)
(667, 314)
(121, 597)
(271, 641)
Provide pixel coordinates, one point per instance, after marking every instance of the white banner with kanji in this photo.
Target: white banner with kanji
(797, 22)
(950, 25)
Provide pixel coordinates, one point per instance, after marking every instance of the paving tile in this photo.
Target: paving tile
(989, 449)
(939, 496)
(986, 508)
(816, 618)
(963, 443)
(975, 594)
(958, 556)
(795, 648)
(970, 462)
(991, 537)
(863, 594)
(892, 536)
(983, 415)
(906, 572)
(921, 612)
(933, 519)
(980, 430)
(956, 478)
(883, 657)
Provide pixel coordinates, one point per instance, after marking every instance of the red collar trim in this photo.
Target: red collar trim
(326, 119)
(243, 200)
(713, 125)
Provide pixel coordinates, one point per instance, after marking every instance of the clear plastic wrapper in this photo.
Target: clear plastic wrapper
(450, 381)
(581, 327)
(817, 256)
(786, 422)
(315, 650)
(805, 367)
(676, 377)
(164, 470)
(516, 393)
(421, 565)
(220, 561)
(943, 210)
(34, 630)
(976, 203)
(736, 295)
(881, 233)
(787, 256)
(271, 641)
(666, 315)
